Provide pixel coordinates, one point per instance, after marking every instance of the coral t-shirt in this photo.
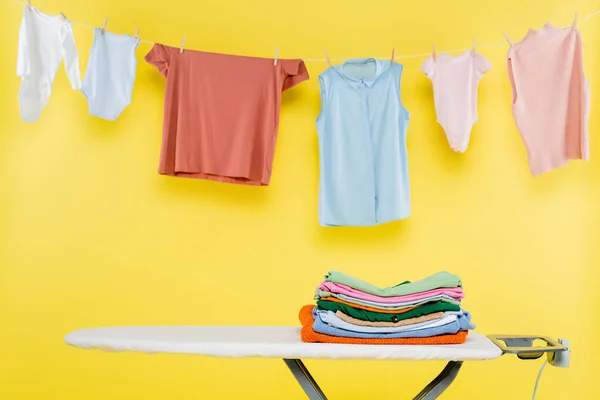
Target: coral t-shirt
(221, 113)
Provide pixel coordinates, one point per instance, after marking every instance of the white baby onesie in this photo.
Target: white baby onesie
(44, 40)
(455, 80)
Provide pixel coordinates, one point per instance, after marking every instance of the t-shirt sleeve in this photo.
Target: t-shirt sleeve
(159, 57)
(428, 66)
(294, 72)
(481, 64)
(71, 59)
(23, 66)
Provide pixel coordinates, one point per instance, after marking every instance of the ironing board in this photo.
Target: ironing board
(281, 342)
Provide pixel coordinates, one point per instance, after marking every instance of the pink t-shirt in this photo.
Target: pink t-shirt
(221, 113)
(333, 287)
(550, 96)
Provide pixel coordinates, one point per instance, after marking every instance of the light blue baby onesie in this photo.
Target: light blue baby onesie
(362, 144)
(110, 74)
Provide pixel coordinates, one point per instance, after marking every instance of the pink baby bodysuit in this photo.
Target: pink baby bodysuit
(550, 96)
(455, 80)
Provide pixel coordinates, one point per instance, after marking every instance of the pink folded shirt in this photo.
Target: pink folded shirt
(455, 293)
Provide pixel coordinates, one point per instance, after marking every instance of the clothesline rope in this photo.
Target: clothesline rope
(397, 57)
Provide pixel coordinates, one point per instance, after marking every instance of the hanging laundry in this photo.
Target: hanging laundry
(550, 96)
(44, 41)
(455, 80)
(362, 144)
(110, 74)
(221, 113)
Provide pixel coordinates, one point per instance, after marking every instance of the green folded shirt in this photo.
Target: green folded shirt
(365, 315)
(440, 280)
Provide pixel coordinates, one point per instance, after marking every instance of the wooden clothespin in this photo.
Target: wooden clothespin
(182, 45)
(327, 59)
(104, 26)
(137, 34)
(574, 22)
(276, 59)
(474, 47)
(507, 39)
(29, 4)
(434, 53)
(393, 56)
(64, 17)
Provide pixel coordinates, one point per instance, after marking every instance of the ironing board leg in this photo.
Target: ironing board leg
(441, 382)
(305, 379)
(432, 391)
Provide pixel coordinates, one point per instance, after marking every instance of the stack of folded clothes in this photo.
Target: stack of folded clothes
(352, 311)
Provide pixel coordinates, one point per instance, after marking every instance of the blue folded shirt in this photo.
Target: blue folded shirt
(463, 323)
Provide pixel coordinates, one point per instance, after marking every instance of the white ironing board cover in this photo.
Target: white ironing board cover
(266, 341)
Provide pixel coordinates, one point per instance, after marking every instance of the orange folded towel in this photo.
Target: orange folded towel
(310, 336)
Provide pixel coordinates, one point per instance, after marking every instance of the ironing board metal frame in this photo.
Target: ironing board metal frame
(305, 379)
(435, 388)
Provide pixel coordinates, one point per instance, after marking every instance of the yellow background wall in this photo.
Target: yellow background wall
(91, 235)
